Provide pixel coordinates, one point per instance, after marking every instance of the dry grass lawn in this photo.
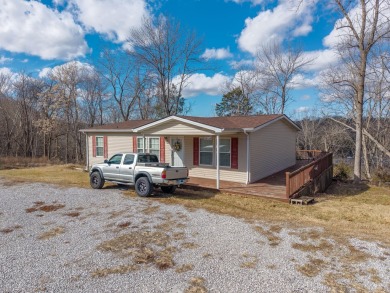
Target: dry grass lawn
(346, 210)
(63, 175)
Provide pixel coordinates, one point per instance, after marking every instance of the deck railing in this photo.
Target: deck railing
(322, 161)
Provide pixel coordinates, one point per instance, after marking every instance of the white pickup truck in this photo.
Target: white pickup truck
(141, 170)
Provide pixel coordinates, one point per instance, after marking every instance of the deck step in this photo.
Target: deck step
(302, 200)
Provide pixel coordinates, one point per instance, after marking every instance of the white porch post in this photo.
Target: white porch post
(144, 144)
(217, 160)
(248, 161)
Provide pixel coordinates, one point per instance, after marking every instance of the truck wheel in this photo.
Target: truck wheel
(96, 180)
(143, 187)
(168, 189)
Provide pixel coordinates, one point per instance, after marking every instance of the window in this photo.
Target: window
(152, 145)
(140, 145)
(224, 152)
(206, 151)
(115, 159)
(129, 159)
(99, 146)
(147, 159)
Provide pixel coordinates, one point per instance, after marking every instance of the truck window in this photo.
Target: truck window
(147, 159)
(115, 159)
(153, 159)
(129, 159)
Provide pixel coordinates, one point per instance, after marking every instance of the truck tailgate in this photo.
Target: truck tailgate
(176, 172)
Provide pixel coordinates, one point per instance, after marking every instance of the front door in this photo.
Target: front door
(177, 146)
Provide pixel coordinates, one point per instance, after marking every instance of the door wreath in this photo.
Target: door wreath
(177, 145)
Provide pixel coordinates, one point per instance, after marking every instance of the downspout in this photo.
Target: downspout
(248, 177)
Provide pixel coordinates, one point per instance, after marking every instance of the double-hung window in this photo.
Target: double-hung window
(140, 145)
(206, 151)
(152, 145)
(224, 152)
(99, 146)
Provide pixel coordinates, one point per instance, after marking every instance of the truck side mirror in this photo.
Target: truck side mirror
(106, 161)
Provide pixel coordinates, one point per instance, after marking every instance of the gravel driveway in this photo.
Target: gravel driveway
(82, 240)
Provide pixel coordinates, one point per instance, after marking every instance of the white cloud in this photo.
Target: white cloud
(300, 81)
(6, 71)
(241, 64)
(277, 24)
(113, 18)
(4, 59)
(340, 31)
(83, 68)
(254, 2)
(302, 109)
(44, 72)
(33, 28)
(305, 97)
(322, 59)
(199, 83)
(219, 54)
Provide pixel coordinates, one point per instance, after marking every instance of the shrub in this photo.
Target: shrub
(342, 171)
(382, 175)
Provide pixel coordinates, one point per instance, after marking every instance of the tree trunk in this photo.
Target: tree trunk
(365, 156)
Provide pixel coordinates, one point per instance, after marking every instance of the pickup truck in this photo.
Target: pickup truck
(141, 170)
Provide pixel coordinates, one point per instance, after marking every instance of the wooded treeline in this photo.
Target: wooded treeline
(42, 116)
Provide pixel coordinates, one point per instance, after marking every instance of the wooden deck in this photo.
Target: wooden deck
(273, 186)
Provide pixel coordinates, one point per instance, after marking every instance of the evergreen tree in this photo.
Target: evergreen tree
(234, 103)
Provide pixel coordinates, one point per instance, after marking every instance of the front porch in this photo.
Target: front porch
(310, 174)
(273, 186)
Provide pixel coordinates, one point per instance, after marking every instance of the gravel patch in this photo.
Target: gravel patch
(82, 240)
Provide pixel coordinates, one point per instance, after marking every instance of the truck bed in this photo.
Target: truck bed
(176, 172)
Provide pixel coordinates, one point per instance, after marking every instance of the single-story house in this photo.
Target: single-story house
(240, 149)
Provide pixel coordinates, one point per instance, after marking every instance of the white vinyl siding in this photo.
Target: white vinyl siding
(116, 143)
(176, 128)
(272, 149)
(209, 172)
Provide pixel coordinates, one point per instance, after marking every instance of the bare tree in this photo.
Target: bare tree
(170, 55)
(276, 68)
(360, 30)
(119, 73)
(26, 91)
(92, 98)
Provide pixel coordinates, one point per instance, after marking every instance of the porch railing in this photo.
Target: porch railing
(296, 180)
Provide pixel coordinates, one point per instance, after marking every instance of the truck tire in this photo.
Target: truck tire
(168, 189)
(143, 187)
(96, 180)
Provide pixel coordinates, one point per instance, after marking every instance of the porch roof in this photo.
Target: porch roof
(213, 124)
